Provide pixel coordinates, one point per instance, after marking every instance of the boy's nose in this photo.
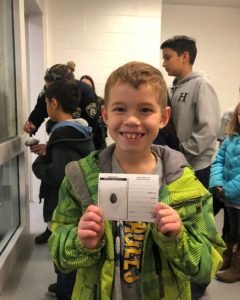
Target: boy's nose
(131, 120)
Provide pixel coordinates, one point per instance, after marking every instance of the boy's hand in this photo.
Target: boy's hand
(91, 227)
(39, 149)
(167, 219)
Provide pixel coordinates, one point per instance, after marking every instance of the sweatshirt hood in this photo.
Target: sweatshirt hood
(75, 133)
(188, 77)
(79, 124)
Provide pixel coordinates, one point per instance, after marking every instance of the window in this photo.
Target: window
(7, 71)
(9, 201)
(9, 145)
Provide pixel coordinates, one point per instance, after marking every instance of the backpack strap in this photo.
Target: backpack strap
(90, 172)
(83, 176)
(76, 178)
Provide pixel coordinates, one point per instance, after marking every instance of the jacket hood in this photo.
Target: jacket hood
(173, 161)
(189, 77)
(79, 124)
(75, 133)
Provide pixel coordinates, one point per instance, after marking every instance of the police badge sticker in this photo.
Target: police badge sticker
(91, 110)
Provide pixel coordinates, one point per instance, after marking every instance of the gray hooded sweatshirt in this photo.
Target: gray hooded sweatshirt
(196, 116)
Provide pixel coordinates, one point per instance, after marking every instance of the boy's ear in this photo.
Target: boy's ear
(165, 117)
(186, 56)
(55, 103)
(104, 114)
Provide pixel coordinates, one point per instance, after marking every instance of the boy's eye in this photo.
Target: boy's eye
(118, 109)
(146, 109)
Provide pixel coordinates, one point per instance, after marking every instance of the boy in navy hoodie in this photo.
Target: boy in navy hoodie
(70, 139)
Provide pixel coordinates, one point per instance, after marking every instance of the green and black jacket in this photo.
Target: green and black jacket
(168, 263)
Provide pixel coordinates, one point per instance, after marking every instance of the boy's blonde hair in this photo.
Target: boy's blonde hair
(136, 74)
(233, 125)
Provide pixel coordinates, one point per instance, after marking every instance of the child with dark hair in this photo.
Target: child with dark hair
(70, 139)
(181, 44)
(88, 109)
(195, 112)
(194, 103)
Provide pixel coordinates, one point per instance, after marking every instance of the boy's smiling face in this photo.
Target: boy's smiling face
(133, 117)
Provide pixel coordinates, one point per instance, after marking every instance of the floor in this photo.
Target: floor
(33, 273)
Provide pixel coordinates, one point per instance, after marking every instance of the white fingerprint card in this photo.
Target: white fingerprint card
(143, 194)
(128, 197)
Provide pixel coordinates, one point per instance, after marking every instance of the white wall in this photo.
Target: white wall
(35, 64)
(217, 33)
(101, 35)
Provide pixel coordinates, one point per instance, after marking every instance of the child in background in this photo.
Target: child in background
(88, 110)
(218, 202)
(225, 177)
(181, 246)
(195, 112)
(70, 139)
(195, 106)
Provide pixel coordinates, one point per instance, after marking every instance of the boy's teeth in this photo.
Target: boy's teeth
(132, 135)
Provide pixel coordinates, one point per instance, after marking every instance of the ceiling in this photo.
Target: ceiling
(216, 3)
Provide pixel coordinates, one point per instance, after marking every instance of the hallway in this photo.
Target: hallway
(33, 273)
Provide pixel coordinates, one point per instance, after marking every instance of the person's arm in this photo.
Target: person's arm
(39, 112)
(39, 149)
(230, 188)
(207, 120)
(65, 247)
(29, 127)
(195, 252)
(216, 176)
(88, 104)
(90, 111)
(52, 172)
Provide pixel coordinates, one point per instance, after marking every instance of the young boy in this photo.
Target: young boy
(195, 111)
(70, 139)
(195, 107)
(155, 260)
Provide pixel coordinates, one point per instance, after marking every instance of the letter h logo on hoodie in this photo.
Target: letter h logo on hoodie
(182, 97)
